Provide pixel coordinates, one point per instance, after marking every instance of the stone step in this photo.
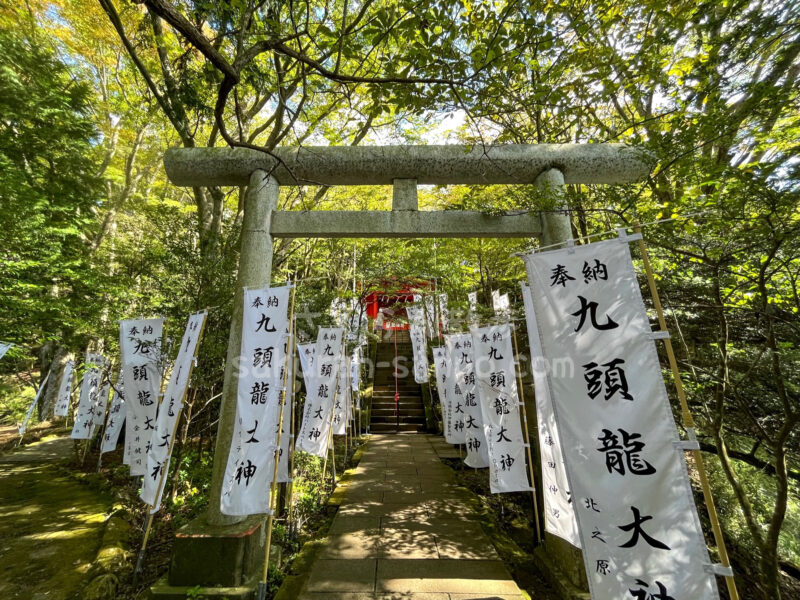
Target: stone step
(401, 400)
(411, 412)
(392, 428)
(387, 400)
(401, 406)
(384, 389)
(403, 419)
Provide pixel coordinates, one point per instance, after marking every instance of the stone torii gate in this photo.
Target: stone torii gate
(217, 550)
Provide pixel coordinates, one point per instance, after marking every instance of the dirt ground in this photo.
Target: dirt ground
(50, 525)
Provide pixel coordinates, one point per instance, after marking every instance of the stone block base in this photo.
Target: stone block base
(561, 564)
(215, 556)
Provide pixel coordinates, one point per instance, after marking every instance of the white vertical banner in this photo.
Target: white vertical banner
(306, 353)
(317, 416)
(416, 320)
(116, 417)
(429, 304)
(83, 427)
(64, 390)
(100, 404)
(355, 371)
(441, 370)
(339, 422)
(286, 420)
(444, 313)
(454, 430)
(262, 362)
(5, 347)
(501, 304)
(349, 389)
(559, 511)
(140, 350)
(159, 445)
(640, 533)
(472, 298)
(464, 402)
(24, 426)
(495, 375)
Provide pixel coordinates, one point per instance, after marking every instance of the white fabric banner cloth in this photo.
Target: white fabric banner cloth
(501, 304)
(340, 408)
(140, 350)
(444, 314)
(24, 426)
(464, 401)
(454, 430)
(441, 370)
(64, 390)
(262, 361)
(472, 298)
(99, 417)
(638, 524)
(159, 446)
(349, 389)
(355, 371)
(316, 425)
(83, 427)
(5, 347)
(116, 418)
(559, 512)
(286, 423)
(306, 353)
(416, 321)
(495, 375)
(430, 316)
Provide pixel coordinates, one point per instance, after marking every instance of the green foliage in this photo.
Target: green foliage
(761, 490)
(15, 398)
(48, 192)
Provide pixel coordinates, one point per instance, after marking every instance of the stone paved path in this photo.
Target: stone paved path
(404, 530)
(50, 525)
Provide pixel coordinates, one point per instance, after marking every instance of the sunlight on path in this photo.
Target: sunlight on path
(50, 525)
(405, 530)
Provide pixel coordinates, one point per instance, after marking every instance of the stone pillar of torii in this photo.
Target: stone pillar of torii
(548, 166)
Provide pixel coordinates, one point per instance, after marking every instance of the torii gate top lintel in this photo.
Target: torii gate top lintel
(381, 165)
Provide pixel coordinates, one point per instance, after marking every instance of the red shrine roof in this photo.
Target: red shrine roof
(388, 291)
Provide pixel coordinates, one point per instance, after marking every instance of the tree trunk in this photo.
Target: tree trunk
(52, 359)
(768, 567)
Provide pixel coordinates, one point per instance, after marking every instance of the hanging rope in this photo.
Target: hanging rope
(396, 387)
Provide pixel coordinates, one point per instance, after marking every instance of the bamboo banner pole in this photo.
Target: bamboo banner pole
(290, 483)
(688, 422)
(262, 585)
(163, 477)
(105, 420)
(527, 435)
(346, 422)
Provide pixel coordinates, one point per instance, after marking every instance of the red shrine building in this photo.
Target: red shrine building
(384, 301)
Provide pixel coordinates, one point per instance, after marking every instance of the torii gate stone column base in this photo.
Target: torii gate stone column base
(225, 555)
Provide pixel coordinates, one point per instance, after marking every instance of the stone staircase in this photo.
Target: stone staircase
(410, 415)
